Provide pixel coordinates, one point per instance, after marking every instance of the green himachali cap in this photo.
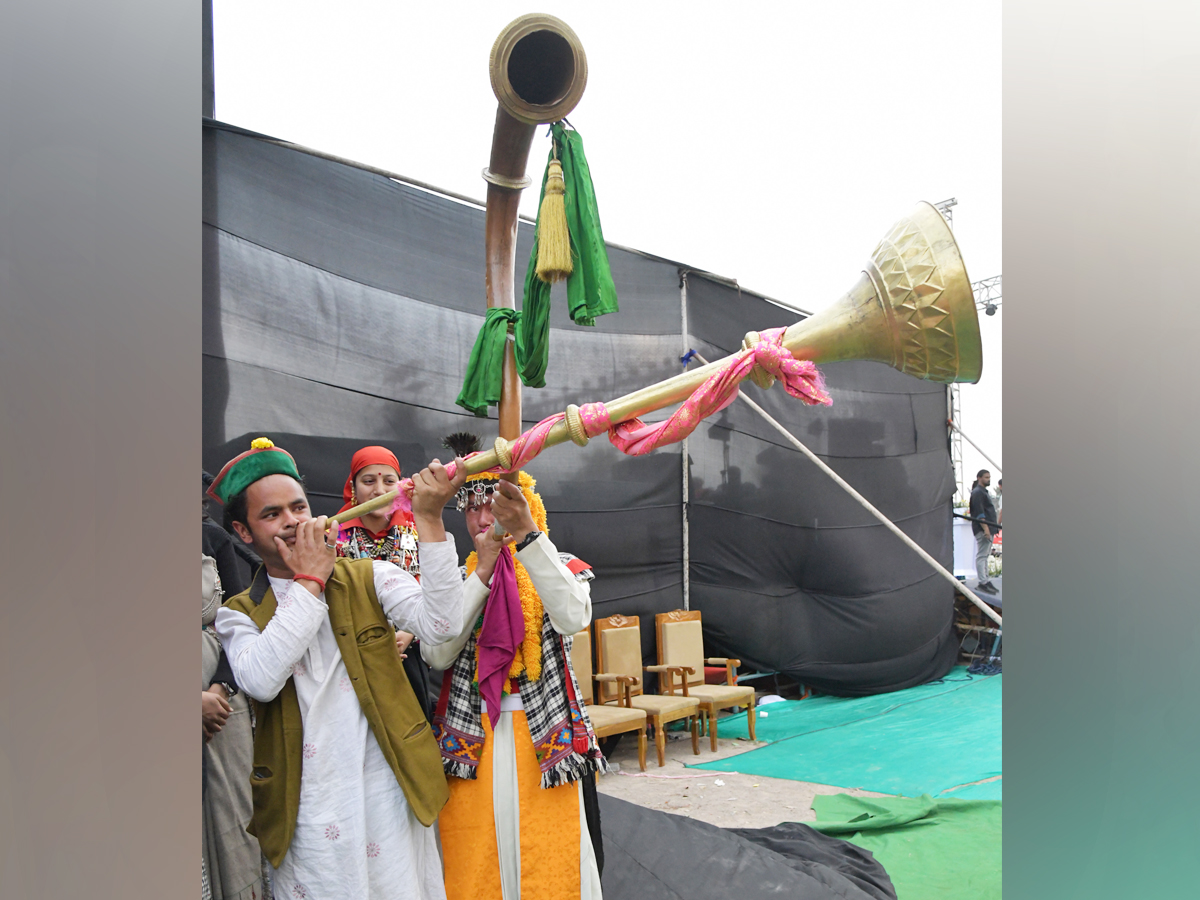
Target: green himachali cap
(262, 459)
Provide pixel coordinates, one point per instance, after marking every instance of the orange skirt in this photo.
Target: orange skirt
(547, 821)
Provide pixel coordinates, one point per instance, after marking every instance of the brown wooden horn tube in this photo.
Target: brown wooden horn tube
(538, 73)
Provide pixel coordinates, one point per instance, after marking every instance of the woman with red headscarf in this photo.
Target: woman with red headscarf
(386, 536)
(383, 535)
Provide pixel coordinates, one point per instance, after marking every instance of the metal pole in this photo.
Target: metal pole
(686, 474)
(954, 396)
(958, 585)
(954, 425)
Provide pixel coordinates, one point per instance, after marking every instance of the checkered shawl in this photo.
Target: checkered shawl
(459, 730)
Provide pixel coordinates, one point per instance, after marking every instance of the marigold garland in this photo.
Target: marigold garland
(528, 658)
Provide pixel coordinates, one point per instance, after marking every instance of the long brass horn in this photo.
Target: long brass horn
(538, 71)
(912, 308)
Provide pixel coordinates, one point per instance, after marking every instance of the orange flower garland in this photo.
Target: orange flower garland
(528, 658)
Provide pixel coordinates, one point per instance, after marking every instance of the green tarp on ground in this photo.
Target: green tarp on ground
(943, 849)
(923, 740)
(793, 717)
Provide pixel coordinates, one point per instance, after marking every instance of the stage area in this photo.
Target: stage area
(939, 738)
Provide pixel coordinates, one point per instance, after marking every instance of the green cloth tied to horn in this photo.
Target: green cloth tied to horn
(590, 288)
(485, 371)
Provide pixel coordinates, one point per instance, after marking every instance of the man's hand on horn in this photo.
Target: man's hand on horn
(432, 489)
(511, 510)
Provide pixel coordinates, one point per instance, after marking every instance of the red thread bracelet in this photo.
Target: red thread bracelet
(312, 578)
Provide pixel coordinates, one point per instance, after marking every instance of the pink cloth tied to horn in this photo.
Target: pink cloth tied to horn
(502, 633)
(800, 378)
(524, 448)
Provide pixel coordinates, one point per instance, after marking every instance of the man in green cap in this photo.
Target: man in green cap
(347, 777)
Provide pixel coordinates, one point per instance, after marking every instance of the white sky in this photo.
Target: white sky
(774, 143)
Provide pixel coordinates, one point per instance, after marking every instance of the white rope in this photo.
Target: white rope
(958, 585)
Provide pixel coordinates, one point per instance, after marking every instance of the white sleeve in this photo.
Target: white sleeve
(442, 656)
(432, 608)
(262, 660)
(566, 599)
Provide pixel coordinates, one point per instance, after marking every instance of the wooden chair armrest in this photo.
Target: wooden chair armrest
(729, 664)
(624, 697)
(671, 672)
(622, 679)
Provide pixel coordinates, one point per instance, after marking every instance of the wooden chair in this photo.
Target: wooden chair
(607, 720)
(681, 643)
(619, 652)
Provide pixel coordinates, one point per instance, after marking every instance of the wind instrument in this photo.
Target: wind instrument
(912, 308)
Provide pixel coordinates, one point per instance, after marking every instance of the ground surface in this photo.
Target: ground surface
(727, 800)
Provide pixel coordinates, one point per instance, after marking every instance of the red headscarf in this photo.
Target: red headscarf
(371, 456)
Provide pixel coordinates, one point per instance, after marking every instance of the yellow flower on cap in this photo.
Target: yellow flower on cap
(262, 444)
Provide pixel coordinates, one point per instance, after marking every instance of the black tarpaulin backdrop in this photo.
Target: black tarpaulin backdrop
(340, 308)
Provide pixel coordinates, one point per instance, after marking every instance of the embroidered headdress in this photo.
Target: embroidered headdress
(479, 488)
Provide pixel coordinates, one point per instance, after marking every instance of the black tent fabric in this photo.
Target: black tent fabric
(802, 844)
(652, 855)
(340, 307)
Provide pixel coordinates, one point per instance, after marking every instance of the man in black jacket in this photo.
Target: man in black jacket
(983, 512)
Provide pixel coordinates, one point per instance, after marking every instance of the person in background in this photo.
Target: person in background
(386, 536)
(216, 543)
(983, 513)
(232, 861)
(1000, 502)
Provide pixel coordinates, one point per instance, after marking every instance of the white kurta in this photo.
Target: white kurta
(567, 600)
(356, 837)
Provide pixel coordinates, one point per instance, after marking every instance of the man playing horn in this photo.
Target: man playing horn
(346, 778)
(514, 739)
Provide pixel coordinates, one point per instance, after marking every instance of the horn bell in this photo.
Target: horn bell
(912, 308)
(538, 69)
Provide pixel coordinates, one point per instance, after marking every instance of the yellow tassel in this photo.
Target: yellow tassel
(554, 241)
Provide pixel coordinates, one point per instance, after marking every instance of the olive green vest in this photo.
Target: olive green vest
(367, 643)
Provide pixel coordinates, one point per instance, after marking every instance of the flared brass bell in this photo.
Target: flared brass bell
(912, 308)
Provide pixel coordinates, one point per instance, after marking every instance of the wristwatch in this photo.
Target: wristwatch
(230, 690)
(527, 540)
